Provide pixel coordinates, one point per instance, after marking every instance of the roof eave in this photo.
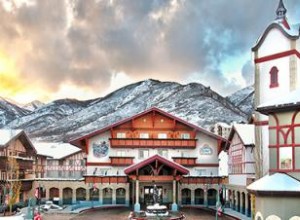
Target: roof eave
(269, 28)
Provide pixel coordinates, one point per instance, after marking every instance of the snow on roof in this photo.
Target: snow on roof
(277, 182)
(289, 98)
(55, 150)
(290, 31)
(7, 134)
(246, 133)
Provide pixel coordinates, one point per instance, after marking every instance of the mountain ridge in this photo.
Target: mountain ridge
(62, 120)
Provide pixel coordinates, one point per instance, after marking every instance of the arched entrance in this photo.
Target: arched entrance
(212, 197)
(80, 194)
(238, 208)
(94, 194)
(107, 196)
(53, 193)
(67, 195)
(199, 197)
(186, 196)
(121, 196)
(249, 205)
(243, 209)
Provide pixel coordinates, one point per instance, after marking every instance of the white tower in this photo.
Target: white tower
(277, 60)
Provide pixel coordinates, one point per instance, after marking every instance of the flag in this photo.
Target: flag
(36, 193)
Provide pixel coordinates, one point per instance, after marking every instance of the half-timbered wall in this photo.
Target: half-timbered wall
(284, 144)
(69, 167)
(240, 162)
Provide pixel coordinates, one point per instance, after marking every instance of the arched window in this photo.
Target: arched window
(274, 77)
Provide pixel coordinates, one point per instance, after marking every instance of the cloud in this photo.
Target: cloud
(84, 43)
(248, 73)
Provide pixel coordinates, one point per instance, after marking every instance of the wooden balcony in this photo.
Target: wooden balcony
(203, 180)
(106, 179)
(24, 164)
(185, 161)
(153, 143)
(121, 161)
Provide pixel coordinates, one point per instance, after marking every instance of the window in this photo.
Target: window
(60, 162)
(285, 158)
(206, 150)
(162, 136)
(144, 135)
(185, 136)
(143, 153)
(71, 162)
(200, 172)
(49, 162)
(121, 153)
(121, 135)
(274, 77)
(163, 152)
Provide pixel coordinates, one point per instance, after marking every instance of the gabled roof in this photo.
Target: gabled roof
(77, 142)
(282, 103)
(160, 159)
(56, 151)
(275, 183)
(289, 31)
(9, 135)
(245, 132)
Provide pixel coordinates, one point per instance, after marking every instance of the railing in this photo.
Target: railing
(24, 164)
(152, 143)
(185, 161)
(121, 161)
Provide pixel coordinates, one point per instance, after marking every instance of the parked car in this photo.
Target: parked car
(49, 205)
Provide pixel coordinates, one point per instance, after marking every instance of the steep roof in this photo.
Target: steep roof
(77, 142)
(285, 102)
(160, 159)
(7, 136)
(56, 150)
(281, 23)
(279, 183)
(245, 132)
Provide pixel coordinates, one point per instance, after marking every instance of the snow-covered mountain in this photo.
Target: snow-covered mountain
(31, 106)
(10, 111)
(48, 114)
(244, 99)
(66, 119)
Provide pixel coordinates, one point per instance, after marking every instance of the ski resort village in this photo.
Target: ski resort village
(157, 149)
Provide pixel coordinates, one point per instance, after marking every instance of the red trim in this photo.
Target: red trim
(283, 145)
(261, 123)
(77, 142)
(206, 165)
(163, 160)
(98, 163)
(277, 56)
(283, 170)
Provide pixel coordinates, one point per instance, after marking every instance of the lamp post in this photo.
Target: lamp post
(217, 203)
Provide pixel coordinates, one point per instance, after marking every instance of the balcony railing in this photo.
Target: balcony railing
(24, 164)
(152, 143)
(185, 161)
(121, 161)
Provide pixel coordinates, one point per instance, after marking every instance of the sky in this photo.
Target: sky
(83, 49)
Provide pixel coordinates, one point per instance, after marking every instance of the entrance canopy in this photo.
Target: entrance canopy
(156, 166)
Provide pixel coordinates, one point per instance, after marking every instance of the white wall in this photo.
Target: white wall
(134, 152)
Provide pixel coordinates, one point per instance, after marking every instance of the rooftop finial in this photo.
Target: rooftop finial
(281, 10)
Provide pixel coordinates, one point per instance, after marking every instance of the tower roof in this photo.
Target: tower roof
(281, 10)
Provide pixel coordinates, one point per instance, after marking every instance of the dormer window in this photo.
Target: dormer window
(274, 77)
